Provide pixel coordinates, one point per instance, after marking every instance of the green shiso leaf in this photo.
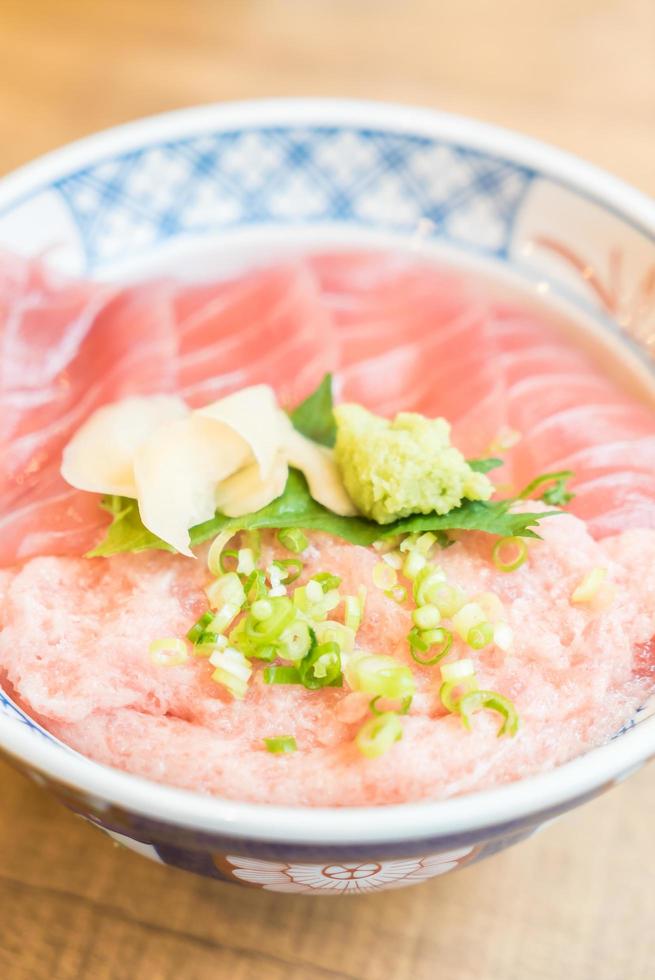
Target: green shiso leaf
(314, 417)
(297, 508)
(126, 531)
(485, 465)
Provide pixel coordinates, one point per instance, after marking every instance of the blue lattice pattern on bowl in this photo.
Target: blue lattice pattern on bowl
(286, 175)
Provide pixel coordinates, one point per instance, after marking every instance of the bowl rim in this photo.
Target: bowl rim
(405, 822)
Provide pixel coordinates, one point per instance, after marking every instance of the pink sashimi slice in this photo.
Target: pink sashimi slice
(611, 503)
(574, 429)
(635, 455)
(451, 372)
(51, 519)
(379, 302)
(66, 353)
(540, 395)
(269, 328)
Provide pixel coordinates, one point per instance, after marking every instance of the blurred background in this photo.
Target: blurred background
(576, 900)
(579, 73)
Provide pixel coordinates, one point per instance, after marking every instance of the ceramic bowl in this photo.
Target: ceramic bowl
(178, 191)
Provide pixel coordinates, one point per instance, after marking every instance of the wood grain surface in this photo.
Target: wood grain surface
(575, 901)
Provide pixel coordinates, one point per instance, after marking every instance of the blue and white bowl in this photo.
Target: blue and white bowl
(193, 188)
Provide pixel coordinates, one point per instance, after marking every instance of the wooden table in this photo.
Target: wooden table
(577, 900)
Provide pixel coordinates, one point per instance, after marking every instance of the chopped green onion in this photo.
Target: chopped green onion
(405, 705)
(293, 539)
(228, 556)
(520, 553)
(314, 591)
(291, 567)
(379, 674)
(426, 617)
(378, 734)
(224, 617)
(588, 587)
(354, 609)
(387, 544)
(457, 675)
(480, 636)
(295, 641)
(226, 590)
(253, 541)
(457, 669)
(331, 631)
(250, 649)
(321, 667)
(491, 605)
(422, 641)
(261, 609)
(215, 551)
(393, 559)
(466, 618)
(426, 585)
(556, 495)
(246, 561)
(280, 743)
(383, 576)
(255, 586)
(475, 700)
(281, 675)
(420, 543)
(170, 651)
(263, 631)
(503, 636)
(448, 599)
(414, 564)
(326, 580)
(232, 671)
(398, 593)
(199, 627)
(312, 601)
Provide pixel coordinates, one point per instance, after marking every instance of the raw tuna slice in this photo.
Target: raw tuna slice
(270, 326)
(379, 301)
(616, 501)
(539, 396)
(633, 455)
(63, 352)
(51, 519)
(574, 429)
(451, 372)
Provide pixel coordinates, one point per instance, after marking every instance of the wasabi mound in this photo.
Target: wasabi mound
(394, 468)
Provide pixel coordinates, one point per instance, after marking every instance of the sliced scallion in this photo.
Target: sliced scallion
(199, 627)
(326, 580)
(291, 569)
(280, 743)
(321, 667)
(293, 539)
(518, 552)
(379, 674)
(405, 705)
(281, 675)
(378, 734)
(480, 635)
(476, 700)
(428, 647)
(169, 651)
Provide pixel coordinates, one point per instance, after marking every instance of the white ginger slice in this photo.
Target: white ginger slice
(320, 470)
(253, 413)
(100, 456)
(177, 471)
(246, 492)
